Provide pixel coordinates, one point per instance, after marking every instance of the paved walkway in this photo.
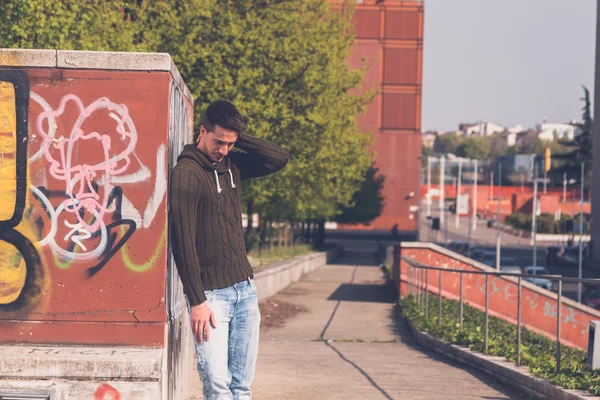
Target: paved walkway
(348, 343)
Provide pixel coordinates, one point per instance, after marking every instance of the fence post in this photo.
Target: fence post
(461, 303)
(558, 323)
(426, 294)
(440, 298)
(519, 322)
(487, 308)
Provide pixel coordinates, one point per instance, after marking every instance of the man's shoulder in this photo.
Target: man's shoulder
(187, 167)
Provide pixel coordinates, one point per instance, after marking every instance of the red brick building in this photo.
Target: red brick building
(390, 34)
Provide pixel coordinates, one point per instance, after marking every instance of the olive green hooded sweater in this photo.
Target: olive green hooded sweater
(205, 213)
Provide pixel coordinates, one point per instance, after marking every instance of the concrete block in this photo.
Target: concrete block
(61, 389)
(41, 362)
(27, 58)
(114, 60)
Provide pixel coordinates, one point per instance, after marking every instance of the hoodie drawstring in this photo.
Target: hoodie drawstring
(219, 189)
(231, 176)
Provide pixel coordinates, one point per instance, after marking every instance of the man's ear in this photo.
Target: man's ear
(201, 134)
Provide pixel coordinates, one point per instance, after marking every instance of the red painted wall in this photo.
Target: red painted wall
(390, 35)
(94, 208)
(538, 310)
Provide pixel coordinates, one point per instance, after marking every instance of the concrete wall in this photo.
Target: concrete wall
(538, 305)
(86, 144)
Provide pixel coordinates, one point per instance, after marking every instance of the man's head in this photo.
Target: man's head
(220, 127)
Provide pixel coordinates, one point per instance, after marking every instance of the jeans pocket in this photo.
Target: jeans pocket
(253, 286)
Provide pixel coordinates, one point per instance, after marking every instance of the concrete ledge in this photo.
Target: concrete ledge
(499, 368)
(101, 60)
(278, 276)
(27, 58)
(72, 362)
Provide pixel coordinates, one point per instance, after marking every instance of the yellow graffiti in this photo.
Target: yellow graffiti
(8, 148)
(13, 268)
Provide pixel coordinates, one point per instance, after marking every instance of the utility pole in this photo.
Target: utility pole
(442, 186)
(534, 217)
(428, 186)
(475, 200)
(564, 187)
(580, 234)
(457, 219)
(498, 219)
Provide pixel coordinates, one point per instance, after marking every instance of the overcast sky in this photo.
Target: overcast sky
(507, 61)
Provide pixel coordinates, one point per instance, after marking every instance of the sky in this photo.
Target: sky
(506, 61)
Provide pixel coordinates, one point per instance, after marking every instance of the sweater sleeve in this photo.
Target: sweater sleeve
(259, 157)
(184, 196)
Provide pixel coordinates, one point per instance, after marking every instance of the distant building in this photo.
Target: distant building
(553, 131)
(428, 138)
(511, 138)
(517, 169)
(515, 129)
(481, 129)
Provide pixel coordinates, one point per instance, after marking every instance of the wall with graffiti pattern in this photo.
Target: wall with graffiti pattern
(84, 162)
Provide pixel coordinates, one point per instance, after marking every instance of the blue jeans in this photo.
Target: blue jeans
(226, 362)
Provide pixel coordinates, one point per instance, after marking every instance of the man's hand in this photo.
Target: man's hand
(202, 316)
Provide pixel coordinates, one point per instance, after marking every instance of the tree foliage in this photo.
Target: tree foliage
(283, 63)
(367, 202)
(578, 150)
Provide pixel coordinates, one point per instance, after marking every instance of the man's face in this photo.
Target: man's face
(216, 144)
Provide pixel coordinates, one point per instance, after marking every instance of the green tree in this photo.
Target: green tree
(283, 63)
(447, 143)
(67, 25)
(367, 202)
(475, 147)
(578, 150)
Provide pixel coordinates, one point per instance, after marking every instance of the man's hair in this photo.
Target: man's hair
(224, 114)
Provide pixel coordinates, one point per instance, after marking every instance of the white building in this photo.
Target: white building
(551, 131)
(483, 129)
(511, 138)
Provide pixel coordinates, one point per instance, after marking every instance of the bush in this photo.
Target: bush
(547, 224)
(537, 351)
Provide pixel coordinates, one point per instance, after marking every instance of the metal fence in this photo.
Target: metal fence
(418, 286)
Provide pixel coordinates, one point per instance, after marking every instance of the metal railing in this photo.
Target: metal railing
(418, 286)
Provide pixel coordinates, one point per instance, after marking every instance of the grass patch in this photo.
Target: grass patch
(268, 256)
(537, 351)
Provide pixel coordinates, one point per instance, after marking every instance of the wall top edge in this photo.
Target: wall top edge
(97, 60)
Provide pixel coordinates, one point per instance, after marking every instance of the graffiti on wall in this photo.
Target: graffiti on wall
(107, 392)
(20, 268)
(69, 180)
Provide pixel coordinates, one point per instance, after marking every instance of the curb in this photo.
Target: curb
(499, 368)
(276, 277)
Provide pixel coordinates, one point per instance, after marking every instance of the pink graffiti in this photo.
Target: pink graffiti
(78, 178)
(107, 392)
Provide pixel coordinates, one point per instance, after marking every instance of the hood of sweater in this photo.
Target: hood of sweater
(191, 151)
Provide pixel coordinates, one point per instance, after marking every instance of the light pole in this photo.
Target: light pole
(428, 186)
(475, 200)
(442, 185)
(580, 234)
(498, 219)
(534, 217)
(457, 219)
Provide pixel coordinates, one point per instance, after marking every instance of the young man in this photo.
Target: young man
(209, 248)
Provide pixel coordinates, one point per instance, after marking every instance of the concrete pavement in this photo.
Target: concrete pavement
(350, 344)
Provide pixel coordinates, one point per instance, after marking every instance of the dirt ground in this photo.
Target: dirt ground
(275, 313)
